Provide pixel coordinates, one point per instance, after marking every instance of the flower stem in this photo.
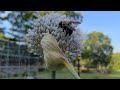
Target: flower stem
(53, 76)
(78, 67)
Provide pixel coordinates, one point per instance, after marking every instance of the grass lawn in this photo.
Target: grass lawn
(65, 74)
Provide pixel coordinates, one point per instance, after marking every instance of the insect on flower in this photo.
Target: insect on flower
(66, 26)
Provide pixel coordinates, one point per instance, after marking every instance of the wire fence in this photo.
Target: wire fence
(15, 60)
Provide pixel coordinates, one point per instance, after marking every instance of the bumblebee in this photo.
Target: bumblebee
(66, 26)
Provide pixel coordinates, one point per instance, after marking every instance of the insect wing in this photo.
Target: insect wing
(71, 22)
(69, 27)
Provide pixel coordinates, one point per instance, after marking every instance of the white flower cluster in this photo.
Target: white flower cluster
(70, 45)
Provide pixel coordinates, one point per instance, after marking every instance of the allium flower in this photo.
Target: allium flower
(54, 57)
(49, 24)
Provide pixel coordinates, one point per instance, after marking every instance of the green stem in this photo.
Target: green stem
(53, 76)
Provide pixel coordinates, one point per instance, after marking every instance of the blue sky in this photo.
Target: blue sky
(107, 22)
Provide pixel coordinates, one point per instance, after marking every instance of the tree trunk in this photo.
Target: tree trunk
(98, 69)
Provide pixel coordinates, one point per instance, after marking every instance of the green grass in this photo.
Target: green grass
(65, 74)
(116, 75)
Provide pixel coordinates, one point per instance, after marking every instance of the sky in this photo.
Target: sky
(107, 22)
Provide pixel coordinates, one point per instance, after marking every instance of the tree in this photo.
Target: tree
(21, 21)
(115, 62)
(74, 14)
(2, 29)
(98, 48)
(1, 22)
(2, 36)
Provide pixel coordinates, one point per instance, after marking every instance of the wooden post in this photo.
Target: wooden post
(53, 75)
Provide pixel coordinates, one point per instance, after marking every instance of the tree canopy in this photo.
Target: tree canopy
(115, 62)
(21, 21)
(97, 47)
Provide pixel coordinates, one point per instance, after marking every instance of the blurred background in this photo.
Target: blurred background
(100, 57)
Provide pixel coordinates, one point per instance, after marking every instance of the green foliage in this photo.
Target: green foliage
(21, 21)
(2, 36)
(115, 62)
(67, 13)
(97, 47)
(1, 21)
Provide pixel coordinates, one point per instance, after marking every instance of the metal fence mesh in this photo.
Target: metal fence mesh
(15, 60)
